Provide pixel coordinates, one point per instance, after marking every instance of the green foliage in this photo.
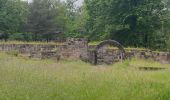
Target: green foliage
(13, 53)
(131, 22)
(76, 19)
(21, 36)
(134, 23)
(46, 18)
(13, 14)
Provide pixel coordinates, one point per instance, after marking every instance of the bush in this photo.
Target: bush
(21, 36)
(13, 53)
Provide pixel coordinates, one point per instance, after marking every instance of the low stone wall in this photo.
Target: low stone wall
(27, 48)
(109, 56)
(32, 50)
(79, 49)
(162, 57)
(74, 48)
(71, 49)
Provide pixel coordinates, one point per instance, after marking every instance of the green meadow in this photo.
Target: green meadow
(34, 79)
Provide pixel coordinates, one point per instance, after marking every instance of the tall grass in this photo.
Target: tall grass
(30, 79)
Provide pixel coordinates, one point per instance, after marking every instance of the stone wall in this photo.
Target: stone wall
(79, 49)
(74, 48)
(162, 57)
(71, 49)
(109, 56)
(32, 50)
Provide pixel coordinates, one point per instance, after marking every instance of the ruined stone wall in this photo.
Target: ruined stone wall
(162, 57)
(71, 49)
(79, 49)
(74, 48)
(31, 50)
(109, 56)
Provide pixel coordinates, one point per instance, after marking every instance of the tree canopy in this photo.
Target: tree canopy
(13, 14)
(137, 23)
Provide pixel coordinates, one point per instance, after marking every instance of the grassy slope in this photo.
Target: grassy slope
(25, 79)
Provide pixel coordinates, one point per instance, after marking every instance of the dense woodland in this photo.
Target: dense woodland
(134, 23)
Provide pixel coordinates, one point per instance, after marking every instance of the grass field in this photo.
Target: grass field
(31, 79)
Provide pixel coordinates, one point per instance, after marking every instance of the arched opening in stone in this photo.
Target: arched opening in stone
(109, 51)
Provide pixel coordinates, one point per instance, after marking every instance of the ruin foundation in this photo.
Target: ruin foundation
(79, 49)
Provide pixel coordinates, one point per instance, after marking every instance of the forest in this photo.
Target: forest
(133, 23)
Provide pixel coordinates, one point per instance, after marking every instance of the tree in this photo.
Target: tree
(76, 19)
(131, 22)
(13, 14)
(45, 18)
(71, 13)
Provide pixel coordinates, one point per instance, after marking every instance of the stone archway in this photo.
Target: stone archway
(112, 43)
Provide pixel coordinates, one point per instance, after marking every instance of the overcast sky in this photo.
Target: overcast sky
(79, 2)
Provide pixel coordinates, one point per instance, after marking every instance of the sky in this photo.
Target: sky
(78, 3)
